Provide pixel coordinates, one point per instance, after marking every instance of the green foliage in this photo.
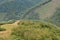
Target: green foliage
(2, 29)
(1, 38)
(35, 30)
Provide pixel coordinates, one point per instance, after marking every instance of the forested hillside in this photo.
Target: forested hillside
(15, 9)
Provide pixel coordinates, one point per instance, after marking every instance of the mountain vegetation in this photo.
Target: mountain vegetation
(35, 30)
(30, 30)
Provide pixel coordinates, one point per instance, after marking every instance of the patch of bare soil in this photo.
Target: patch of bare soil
(9, 27)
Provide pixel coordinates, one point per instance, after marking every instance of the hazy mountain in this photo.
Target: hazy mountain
(56, 17)
(15, 9)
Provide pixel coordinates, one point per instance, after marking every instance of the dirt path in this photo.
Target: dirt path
(9, 27)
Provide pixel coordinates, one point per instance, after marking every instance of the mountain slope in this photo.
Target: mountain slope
(30, 30)
(48, 12)
(35, 30)
(15, 9)
(45, 11)
(56, 17)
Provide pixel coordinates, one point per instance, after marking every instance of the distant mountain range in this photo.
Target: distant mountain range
(16, 9)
